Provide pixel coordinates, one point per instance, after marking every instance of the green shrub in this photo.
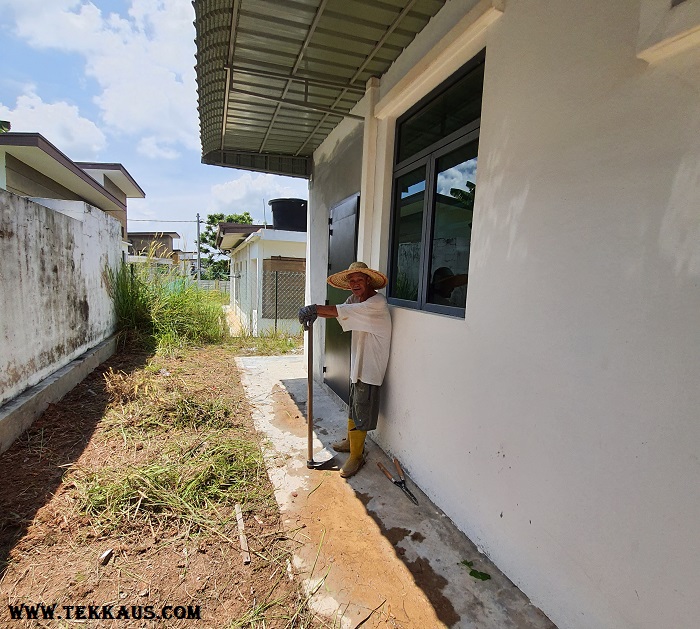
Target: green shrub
(131, 298)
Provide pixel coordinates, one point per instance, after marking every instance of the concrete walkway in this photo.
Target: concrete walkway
(370, 557)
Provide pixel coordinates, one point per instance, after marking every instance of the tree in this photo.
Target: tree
(214, 269)
(465, 197)
(207, 238)
(215, 263)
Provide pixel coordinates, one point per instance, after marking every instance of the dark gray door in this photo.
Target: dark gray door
(342, 251)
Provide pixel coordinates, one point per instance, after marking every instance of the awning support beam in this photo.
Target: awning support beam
(392, 27)
(298, 104)
(300, 56)
(266, 74)
(231, 45)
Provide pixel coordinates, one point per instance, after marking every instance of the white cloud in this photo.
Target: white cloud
(152, 147)
(251, 191)
(457, 176)
(60, 123)
(143, 63)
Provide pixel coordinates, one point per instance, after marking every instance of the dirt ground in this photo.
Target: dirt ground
(351, 549)
(374, 559)
(53, 552)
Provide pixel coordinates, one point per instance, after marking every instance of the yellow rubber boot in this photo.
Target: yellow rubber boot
(344, 444)
(357, 453)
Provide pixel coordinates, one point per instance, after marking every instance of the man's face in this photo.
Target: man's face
(359, 285)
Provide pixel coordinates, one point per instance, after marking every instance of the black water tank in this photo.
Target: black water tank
(289, 214)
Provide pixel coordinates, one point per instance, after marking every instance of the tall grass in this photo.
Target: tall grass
(155, 304)
(182, 313)
(129, 293)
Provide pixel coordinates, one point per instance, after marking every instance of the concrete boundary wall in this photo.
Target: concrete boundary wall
(55, 305)
(20, 412)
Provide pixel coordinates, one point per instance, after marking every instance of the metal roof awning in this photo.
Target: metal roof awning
(276, 76)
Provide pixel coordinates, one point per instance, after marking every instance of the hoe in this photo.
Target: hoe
(310, 463)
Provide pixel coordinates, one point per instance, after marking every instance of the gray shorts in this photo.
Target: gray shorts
(364, 405)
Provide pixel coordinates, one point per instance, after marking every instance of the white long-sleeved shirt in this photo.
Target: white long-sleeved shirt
(371, 323)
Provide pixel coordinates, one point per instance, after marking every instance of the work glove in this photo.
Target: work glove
(307, 315)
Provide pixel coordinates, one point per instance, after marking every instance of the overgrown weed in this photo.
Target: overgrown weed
(156, 306)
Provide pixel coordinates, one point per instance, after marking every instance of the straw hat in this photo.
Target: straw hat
(340, 280)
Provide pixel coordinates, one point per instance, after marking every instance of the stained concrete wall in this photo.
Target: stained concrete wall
(54, 304)
(557, 424)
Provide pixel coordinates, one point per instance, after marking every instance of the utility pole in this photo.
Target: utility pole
(199, 257)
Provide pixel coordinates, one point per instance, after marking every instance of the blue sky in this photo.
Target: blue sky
(114, 81)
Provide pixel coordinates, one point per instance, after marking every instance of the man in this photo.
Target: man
(366, 313)
(443, 285)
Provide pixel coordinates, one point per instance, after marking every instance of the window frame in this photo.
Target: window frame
(407, 168)
(427, 158)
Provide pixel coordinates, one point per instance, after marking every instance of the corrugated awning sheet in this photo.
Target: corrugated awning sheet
(276, 76)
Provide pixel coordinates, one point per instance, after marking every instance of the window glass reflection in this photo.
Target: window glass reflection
(452, 226)
(448, 112)
(408, 234)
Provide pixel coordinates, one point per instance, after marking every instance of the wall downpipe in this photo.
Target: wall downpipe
(368, 176)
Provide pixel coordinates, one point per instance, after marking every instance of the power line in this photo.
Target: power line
(149, 220)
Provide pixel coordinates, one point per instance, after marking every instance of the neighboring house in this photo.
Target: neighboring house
(30, 166)
(187, 261)
(268, 275)
(158, 243)
(552, 409)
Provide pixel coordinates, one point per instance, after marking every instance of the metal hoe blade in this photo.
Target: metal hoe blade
(402, 482)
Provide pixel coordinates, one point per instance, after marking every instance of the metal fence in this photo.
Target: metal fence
(221, 285)
(282, 294)
(269, 302)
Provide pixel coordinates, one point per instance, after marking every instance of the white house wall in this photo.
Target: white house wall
(337, 174)
(55, 303)
(273, 244)
(558, 423)
(248, 255)
(258, 248)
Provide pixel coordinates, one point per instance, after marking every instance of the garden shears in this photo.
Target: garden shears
(402, 479)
